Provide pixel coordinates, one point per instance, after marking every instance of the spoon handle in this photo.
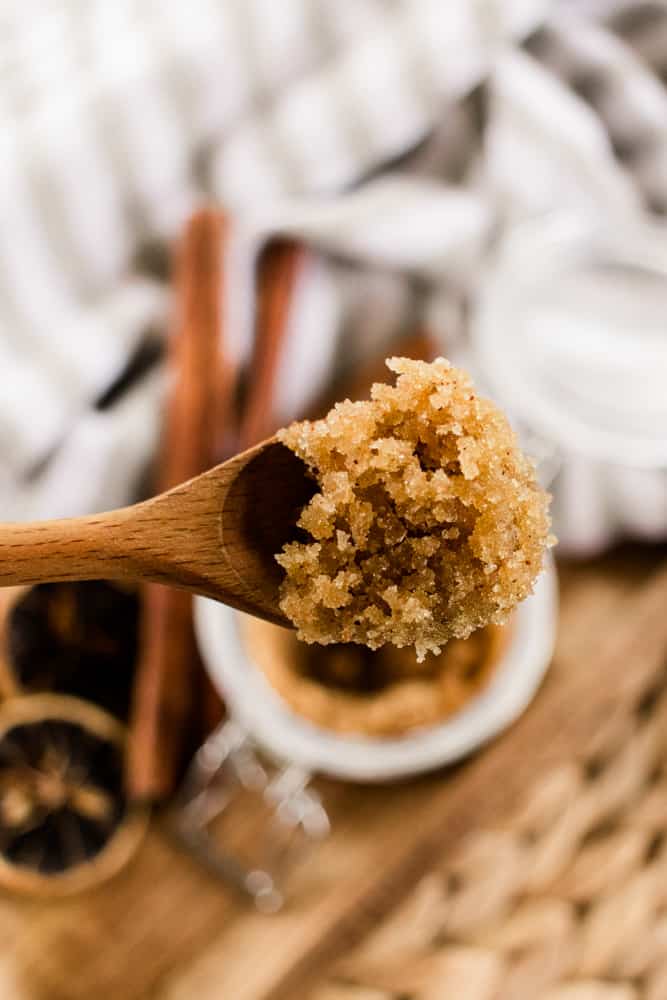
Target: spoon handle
(214, 535)
(173, 538)
(78, 548)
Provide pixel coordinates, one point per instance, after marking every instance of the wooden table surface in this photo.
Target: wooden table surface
(165, 929)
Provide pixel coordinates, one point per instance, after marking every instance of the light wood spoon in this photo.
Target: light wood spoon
(215, 535)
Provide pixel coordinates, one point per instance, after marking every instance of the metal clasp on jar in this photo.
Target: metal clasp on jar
(227, 772)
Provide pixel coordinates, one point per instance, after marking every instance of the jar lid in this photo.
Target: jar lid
(570, 334)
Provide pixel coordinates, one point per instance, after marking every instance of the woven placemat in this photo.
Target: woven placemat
(565, 896)
(535, 870)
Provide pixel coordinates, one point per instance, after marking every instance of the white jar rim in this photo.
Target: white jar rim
(287, 736)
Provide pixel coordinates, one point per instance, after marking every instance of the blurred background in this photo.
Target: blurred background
(220, 216)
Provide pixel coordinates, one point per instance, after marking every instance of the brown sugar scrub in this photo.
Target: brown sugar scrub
(351, 689)
(428, 522)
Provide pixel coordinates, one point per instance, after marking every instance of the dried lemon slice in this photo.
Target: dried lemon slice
(65, 823)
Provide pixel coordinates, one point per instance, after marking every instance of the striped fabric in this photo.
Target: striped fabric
(385, 132)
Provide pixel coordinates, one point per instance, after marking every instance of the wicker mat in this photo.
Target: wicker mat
(536, 871)
(565, 898)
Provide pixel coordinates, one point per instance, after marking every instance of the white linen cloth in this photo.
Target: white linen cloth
(400, 137)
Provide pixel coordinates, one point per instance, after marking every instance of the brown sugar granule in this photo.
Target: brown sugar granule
(428, 522)
(350, 689)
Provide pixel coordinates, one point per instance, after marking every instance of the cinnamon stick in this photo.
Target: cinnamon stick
(164, 708)
(277, 273)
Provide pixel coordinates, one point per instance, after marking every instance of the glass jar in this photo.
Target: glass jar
(270, 751)
(569, 334)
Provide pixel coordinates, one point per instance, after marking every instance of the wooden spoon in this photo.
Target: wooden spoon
(215, 535)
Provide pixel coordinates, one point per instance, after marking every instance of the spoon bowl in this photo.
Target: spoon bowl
(215, 535)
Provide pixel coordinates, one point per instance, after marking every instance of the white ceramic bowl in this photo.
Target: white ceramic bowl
(289, 737)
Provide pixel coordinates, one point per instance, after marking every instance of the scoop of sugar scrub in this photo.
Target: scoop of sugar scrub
(428, 521)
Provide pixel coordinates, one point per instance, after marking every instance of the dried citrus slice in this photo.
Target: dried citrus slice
(74, 638)
(65, 823)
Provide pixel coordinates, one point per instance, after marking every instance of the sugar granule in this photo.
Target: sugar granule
(428, 522)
